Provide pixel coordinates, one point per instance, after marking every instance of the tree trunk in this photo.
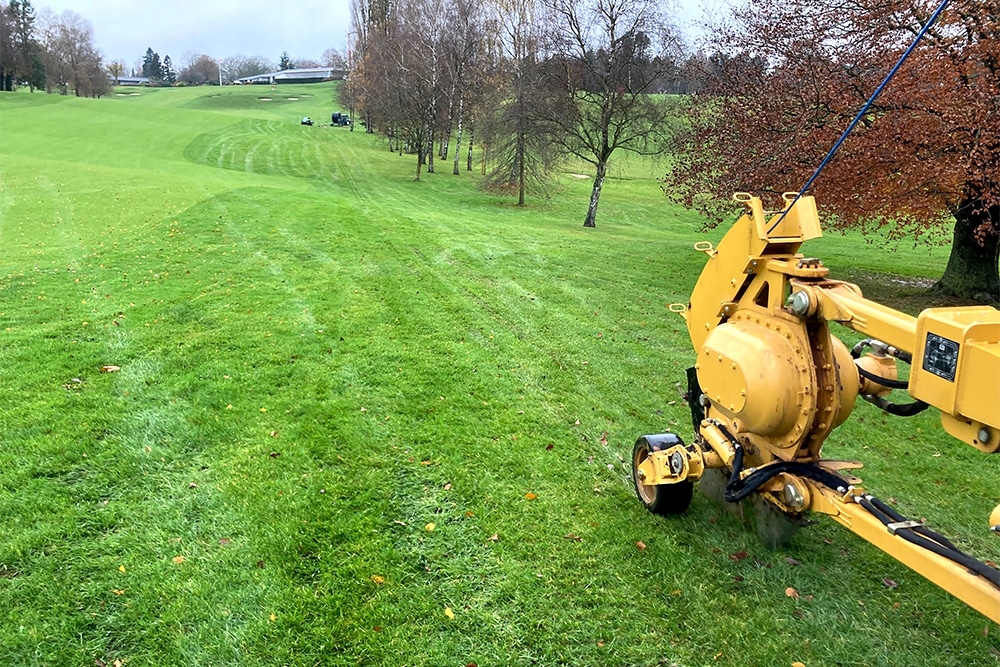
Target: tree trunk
(472, 134)
(430, 151)
(458, 137)
(972, 273)
(595, 195)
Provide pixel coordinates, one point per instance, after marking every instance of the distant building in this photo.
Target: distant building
(130, 80)
(306, 75)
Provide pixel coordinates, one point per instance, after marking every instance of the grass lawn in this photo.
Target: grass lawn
(362, 420)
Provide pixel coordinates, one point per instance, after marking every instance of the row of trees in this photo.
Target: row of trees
(535, 80)
(528, 79)
(54, 52)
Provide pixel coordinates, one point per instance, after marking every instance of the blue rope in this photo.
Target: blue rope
(864, 110)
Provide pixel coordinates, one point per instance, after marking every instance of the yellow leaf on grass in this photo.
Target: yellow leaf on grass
(378, 580)
(178, 559)
(798, 664)
(530, 496)
(121, 568)
(429, 527)
(449, 613)
(263, 409)
(273, 618)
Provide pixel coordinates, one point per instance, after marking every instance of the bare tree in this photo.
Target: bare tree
(239, 66)
(200, 69)
(333, 58)
(116, 69)
(607, 56)
(520, 149)
(71, 59)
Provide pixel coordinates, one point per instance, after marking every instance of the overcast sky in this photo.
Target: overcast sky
(124, 29)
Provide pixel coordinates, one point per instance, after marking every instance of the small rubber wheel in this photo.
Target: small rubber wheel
(662, 499)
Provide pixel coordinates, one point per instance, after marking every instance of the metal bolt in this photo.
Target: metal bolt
(798, 303)
(984, 435)
(793, 498)
(640, 475)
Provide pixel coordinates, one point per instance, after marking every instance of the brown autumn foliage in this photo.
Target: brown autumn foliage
(925, 158)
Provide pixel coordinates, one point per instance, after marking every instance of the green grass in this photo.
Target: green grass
(321, 357)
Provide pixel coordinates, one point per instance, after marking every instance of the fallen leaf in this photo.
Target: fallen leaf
(889, 582)
(229, 407)
(549, 446)
(192, 485)
(604, 438)
(447, 487)
(225, 541)
(676, 591)
(377, 628)
(798, 664)
(600, 643)
(263, 409)
(110, 369)
(178, 559)
(640, 545)
(272, 618)
(574, 537)
(792, 561)
(429, 527)
(449, 613)
(274, 455)
(273, 434)
(791, 592)
(494, 538)
(117, 591)
(99, 663)
(398, 522)
(738, 556)
(121, 568)
(260, 564)
(530, 496)
(377, 580)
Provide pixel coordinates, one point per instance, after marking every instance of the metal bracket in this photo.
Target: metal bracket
(901, 525)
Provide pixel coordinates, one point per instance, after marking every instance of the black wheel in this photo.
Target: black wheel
(662, 499)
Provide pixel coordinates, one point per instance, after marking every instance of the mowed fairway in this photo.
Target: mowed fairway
(362, 420)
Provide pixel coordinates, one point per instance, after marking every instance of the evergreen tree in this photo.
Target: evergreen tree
(167, 71)
(151, 66)
(285, 62)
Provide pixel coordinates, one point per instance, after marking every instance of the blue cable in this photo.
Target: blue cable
(864, 109)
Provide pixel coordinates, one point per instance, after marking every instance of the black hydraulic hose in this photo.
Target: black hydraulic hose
(923, 530)
(897, 409)
(739, 488)
(885, 382)
(928, 539)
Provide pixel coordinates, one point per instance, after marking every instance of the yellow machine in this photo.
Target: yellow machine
(771, 382)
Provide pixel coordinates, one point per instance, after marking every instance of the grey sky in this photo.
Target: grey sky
(124, 29)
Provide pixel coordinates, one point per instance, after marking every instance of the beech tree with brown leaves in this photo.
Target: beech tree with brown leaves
(926, 157)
